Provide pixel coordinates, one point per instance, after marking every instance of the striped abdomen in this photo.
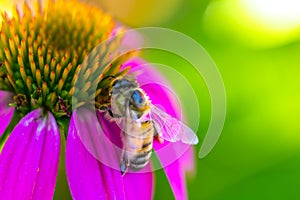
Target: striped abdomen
(138, 145)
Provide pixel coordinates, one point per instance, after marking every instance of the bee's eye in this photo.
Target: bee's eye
(138, 99)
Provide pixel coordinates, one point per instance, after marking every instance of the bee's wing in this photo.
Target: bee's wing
(170, 128)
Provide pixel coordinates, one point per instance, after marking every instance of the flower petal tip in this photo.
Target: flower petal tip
(29, 159)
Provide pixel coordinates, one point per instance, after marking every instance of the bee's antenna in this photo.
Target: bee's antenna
(124, 163)
(110, 78)
(123, 167)
(106, 77)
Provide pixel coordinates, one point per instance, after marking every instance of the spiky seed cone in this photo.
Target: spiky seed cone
(42, 54)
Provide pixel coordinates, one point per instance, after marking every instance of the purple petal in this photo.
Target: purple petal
(156, 86)
(169, 153)
(132, 40)
(174, 157)
(30, 157)
(187, 160)
(174, 168)
(6, 112)
(139, 185)
(176, 176)
(88, 178)
(112, 132)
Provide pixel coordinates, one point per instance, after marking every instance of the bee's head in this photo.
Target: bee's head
(139, 100)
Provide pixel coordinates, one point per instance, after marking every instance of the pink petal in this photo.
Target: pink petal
(108, 137)
(88, 178)
(6, 112)
(176, 157)
(30, 157)
(176, 176)
(169, 153)
(187, 160)
(174, 168)
(139, 185)
(132, 40)
(155, 85)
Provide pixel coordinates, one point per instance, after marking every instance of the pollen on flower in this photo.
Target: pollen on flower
(42, 54)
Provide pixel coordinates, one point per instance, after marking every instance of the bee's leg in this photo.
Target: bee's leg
(110, 113)
(156, 135)
(108, 110)
(124, 164)
(160, 140)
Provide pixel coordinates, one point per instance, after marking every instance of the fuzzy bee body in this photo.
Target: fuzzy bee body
(128, 101)
(138, 145)
(141, 122)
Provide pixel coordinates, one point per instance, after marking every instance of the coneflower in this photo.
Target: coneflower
(47, 61)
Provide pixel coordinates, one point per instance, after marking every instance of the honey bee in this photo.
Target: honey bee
(141, 122)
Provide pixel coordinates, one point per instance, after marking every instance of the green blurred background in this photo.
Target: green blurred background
(256, 46)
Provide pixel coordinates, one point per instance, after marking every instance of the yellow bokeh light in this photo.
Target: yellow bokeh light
(6, 5)
(274, 14)
(257, 23)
